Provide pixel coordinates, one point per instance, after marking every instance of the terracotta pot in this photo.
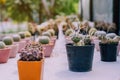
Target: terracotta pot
(96, 42)
(13, 51)
(48, 49)
(4, 55)
(30, 70)
(53, 40)
(27, 40)
(21, 45)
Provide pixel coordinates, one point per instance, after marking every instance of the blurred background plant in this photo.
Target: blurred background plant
(38, 10)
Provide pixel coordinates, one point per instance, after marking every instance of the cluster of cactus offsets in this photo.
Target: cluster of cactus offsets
(31, 52)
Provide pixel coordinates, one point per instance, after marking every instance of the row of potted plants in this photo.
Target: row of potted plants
(80, 46)
(11, 45)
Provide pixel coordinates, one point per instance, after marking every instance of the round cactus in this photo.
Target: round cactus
(22, 35)
(92, 31)
(111, 35)
(44, 40)
(100, 33)
(27, 34)
(2, 45)
(52, 32)
(16, 38)
(68, 32)
(46, 34)
(8, 40)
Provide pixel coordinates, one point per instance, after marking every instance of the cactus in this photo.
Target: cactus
(46, 34)
(100, 33)
(92, 31)
(32, 52)
(16, 38)
(8, 40)
(111, 35)
(87, 40)
(68, 32)
(27, 34)
(2, 45)
(52, 32)
(44, 40)
(22, 35)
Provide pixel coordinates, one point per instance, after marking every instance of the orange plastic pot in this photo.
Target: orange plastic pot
(30, 70)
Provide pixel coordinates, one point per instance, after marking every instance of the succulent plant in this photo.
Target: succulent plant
(27, 34)
(16, 38)
(100, 33)
(46, 34)
(92, 31)
(32, 52)
(111, 35)
(52, 32)
(68, 32)
(8, 40)
(2, 45)
(106, 40)
(22, 35)
(44, 40)
(87, 40)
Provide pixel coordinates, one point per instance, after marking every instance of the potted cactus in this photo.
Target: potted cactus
(23, 41)
(45, 41)
(31, 57)
(28, 36)
(4, 52)
(96, 41)
(108, 49)
(80, 54)
(9, 43)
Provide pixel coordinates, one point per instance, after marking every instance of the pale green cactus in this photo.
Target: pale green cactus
(2, 45)
(8, 40)
(44, 40)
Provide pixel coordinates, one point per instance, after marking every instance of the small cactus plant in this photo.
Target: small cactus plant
(111, 35)
(22, 35)
(8, 40)
(52, 32)
(16, 38)
(87, 40)
(32, 52)
(44, 40)
(100, 33)
(2, 45)
(92, 31)
(46, 34)
(27, 34)
(68, 32)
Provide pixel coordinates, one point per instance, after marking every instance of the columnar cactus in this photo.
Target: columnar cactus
(44, 40)
(2, 45)
(8, 40)
(16, 38)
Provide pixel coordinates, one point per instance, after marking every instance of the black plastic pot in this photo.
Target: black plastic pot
(80, 58)
(108, 52)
